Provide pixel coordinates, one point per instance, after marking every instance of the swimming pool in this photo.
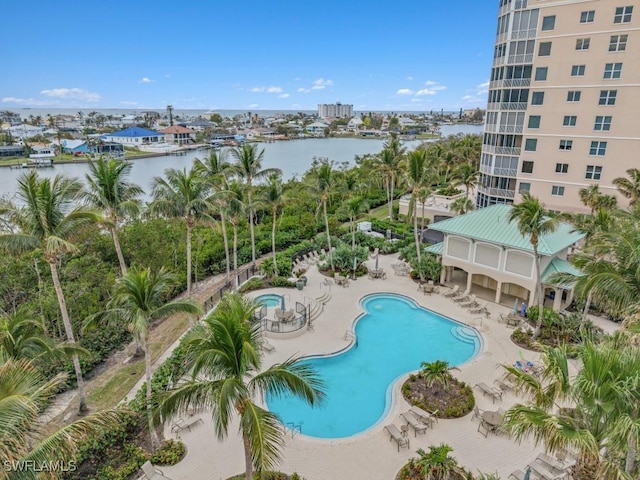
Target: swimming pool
(394, 336)
(269, 300)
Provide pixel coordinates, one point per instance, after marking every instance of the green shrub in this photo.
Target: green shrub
(281, 282)
(169, 453)
(252, 284)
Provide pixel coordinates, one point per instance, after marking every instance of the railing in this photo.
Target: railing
(509, 106)
(520, 4)
(517, 82)
(388, 234)
(496, 192)
(522, 58)
(501, 150)
(242, 276)
(521, 34)
(504, 128)
(296, 323)
(293, 428)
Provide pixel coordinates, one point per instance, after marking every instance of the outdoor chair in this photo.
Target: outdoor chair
(483, 428)
(185, 424)
(266, 346)
(513, 320)
(494, 393)
(480, 309)
(151, 472)
(477, 412)
(470, 303)
(424, 416)
(462, 298)
(417, 426)
(394, 434)
(451, 293)
(516, 475)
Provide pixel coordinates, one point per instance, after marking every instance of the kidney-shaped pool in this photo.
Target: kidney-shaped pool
(394, 336)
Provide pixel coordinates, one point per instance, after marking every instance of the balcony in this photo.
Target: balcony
(499, 172)
(491, 128)
(515, 151)
(517, 82)
(496, 192)
(523, 34)
(522, 58)
(507, 106)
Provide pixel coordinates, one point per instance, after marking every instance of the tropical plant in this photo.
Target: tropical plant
(629, 187)
(226, 376)
(48, 220)
(235, 207)
(437, 372)
(389, 164)
(182, 194)
(248, 166)
(437, 464)
(322, 184)
(274, 199)
(354, 207)
(462, 205)
(416, 175)
(466, 174)
(533, 222)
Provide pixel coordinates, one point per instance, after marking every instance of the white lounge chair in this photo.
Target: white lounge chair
(494, 393)
(425, 417)
(394, 434)
(471, 302)
(417, 426)
(452, 293)
(151, 472)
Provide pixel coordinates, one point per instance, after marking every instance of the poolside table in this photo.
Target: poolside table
(492, 419)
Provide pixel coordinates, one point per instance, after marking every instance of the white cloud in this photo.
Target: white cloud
(405, 91)
(269, 89)
(72, 93)
(146, 80)
(468, 97)
(126, 102)
(258, 89)
(477, 95)
(284, 95)
(409, 78)
(303, 90)
(274, 89)
(25, 101)
(321, 84)
(167, 76)
(416, 100)
(425, 91)
(428, 83)
(253, 105)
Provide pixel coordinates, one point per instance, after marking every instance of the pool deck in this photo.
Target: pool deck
(371, 455)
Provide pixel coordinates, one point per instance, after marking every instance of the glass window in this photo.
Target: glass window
(531, 144)
(623, 14)
(582, 44)
(541, 73)
(524, 187)
(577, 70)
(527, 167)
(612, 70)
(569, 120)
(545, 49)
(562, 167)
(593, 172)
(603, 123)
(534, 121)
(608, 97)
(618, 43)
(537, 98)
(573, 96)
(598, 148)
(587, 16)
(548, 23)
(566, 144)
(557, 190)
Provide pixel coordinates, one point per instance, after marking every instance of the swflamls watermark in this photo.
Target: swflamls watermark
(34, 466)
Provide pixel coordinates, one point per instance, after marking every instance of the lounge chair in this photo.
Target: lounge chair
(452, 293)
(494, 393)
(185, 424)
(394, 434)
(470, 303)
(480, 309)
(151, 472)
(266, 346)
(516, 475)
(461, 298)
(477, 412)
(425, 417)
(417, 426)
(545, 471)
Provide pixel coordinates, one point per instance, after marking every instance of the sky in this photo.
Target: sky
(392, 55)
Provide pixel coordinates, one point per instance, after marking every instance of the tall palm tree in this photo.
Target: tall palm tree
(109, 191)
(416, 176)
(49, 220)
(534, 221)
(138, 300)
(215, 170)
(274, 199)
(462, 205)
(236, 208)
(24, 439)
(466, 174)
(227, 375)
(249, 167)
(629, 187)
(389, 165)
(353, 208)
(182, 194)
(322, 183)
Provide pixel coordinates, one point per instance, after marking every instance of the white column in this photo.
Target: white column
(498, 292)
(469, 278)
(557, 301)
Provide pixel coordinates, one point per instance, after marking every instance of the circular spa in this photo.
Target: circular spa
(269, 300)
(393, 337)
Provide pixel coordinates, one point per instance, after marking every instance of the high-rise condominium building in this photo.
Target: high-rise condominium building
(335, 110)
(564, 101)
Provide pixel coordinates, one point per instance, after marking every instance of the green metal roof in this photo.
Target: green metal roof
(435, 248)
(491, 224)
(558, 265)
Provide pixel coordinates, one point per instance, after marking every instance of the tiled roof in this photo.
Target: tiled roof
(176, 129)
(135, 132)
(491, 224)
(435, 248)
(558, 265)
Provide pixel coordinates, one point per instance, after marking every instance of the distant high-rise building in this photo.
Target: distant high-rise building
(564, 99)
(335, 110)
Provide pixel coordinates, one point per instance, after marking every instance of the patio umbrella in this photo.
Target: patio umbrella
(527, 474)
(515, 306)
(282, 303)
(376, 262)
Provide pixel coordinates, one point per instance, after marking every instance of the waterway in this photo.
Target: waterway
(293, 157)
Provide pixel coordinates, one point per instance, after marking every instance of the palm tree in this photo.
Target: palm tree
(249, 167)
(227, 376)
(274, 199)
(110, 192)
(462, 205)
(534, 221)
(49, 221)
(183, 194)
(466, 174)
(437, 372)
(388, 164)
(416, 175)
(322, 184)
(138, 300)
(235, 207)
(629, 187)
(437, 464)
(353, 208)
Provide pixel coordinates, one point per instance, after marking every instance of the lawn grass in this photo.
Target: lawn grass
(382, 212)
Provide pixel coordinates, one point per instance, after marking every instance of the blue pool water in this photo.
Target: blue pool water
(269, 300)
(393, 337)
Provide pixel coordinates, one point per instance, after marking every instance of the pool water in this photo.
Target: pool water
(269, 300)
(393, 337)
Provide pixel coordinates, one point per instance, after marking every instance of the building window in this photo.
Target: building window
(588, 16)
(562, 167)
(545, 49)
(612, 70)
(537, 98)
(557, 190)
(577, 70)
(531, 144)
(541, 73)
(524, 187)
(527, 167)
(618, 43)
(598, 149)
(573, 96)
(623, 14)
(534, 121)
(582, 44)
(593, 172)
(608, 97)
(569, 120)
(548, 23)
(603, 123)
(566, 144)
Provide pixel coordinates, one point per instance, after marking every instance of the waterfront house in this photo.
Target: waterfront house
(108, 149)
(317, 128)
(24, 130)
(178, 135)
(74, 147)
(135, 136)
(355, 124)
(198, 125)
(42, 153)
(9, 151)
(486, 254)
